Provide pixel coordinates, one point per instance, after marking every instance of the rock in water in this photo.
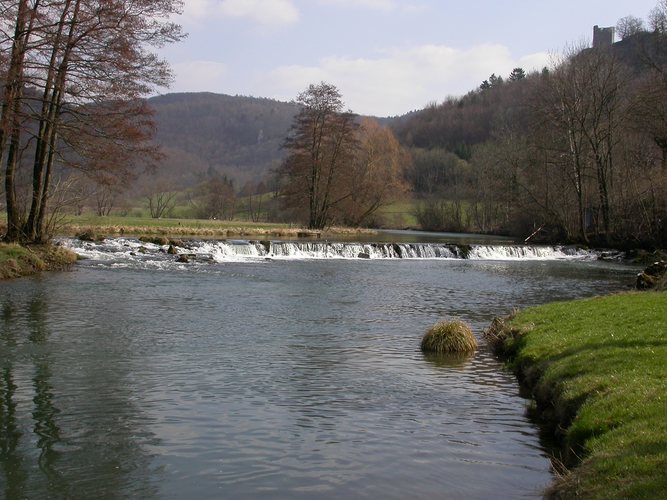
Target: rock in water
(652, 276)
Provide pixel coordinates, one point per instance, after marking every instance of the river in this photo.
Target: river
(275, 370)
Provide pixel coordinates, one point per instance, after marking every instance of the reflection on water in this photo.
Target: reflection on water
(287, 379)
(448, 360)
(14, 475)
(57, 437)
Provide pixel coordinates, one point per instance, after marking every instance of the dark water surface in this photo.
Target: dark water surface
(279, 379)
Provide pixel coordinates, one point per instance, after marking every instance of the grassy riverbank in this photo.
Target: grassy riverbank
(116, 226)
(17, 261)
(597, 369)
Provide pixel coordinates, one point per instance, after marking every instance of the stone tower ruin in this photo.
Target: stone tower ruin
(603, 37)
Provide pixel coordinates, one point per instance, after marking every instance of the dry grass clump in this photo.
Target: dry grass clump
(449, 337)
(653, 277)
(661, 286)
(17, 261)
(501, 336)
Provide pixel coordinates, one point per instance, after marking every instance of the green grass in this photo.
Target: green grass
(11, 252)
(598, 370)
(136, 226)
(17, 261)
(400, 214)
(145, 221)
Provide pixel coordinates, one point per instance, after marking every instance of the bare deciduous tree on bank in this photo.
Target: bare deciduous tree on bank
(320, 146)
(338, 170)
(77, 71)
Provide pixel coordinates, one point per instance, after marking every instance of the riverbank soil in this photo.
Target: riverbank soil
(17, 261)
(597, 369)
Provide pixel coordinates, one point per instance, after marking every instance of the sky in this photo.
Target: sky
(387, 57)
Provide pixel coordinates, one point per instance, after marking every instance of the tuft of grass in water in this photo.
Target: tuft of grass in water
(449, 337)
(597, 369)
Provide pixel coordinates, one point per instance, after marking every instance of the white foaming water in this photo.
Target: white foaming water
(132, 252)
(324, 250)
(227, 251)
(516, 252)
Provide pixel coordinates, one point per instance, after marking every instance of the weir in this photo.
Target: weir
(348, 250)
(240, 250)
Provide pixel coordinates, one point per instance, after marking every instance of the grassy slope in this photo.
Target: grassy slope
(600, 365)
(114, 225)
(400, 214)
(130, 221)
(16, 261)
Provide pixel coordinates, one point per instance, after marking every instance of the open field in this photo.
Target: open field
(400, 215)
(116, 226)
(597, 369)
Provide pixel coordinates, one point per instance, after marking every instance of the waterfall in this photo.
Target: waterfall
(524, 252)
(124, 249)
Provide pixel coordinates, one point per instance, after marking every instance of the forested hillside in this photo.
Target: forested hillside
(203, 134)
(576, 152)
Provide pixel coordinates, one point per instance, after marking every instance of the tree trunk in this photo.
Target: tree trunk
(10, 124)
(48, 117)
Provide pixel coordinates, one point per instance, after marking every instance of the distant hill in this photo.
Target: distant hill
(458, 124)
(202, 133)
(641, 50)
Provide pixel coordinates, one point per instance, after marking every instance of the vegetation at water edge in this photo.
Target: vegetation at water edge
(17, 261)
(449, 337)
(596, 369)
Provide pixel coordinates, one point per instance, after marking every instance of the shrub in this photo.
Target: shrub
(449, 337)
(90, 235)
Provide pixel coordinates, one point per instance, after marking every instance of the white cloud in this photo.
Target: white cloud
(371, 4)
(198, 76)
(381, 5)
(197, 9)
(400, 80)
(536, 61)
(264, 12)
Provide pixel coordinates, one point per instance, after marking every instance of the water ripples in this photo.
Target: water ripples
(294, 379)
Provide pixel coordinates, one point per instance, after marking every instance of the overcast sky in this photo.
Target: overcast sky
(387, 57)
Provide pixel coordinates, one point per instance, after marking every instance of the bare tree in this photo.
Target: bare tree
(376, 176)
(628, 26)
(22, 17)
(321, 144)
(563, 105)
(161, 200)
(657, 18)
(215, 198)
(87, 63)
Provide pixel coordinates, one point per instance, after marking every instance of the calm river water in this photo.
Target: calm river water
(292, 378)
